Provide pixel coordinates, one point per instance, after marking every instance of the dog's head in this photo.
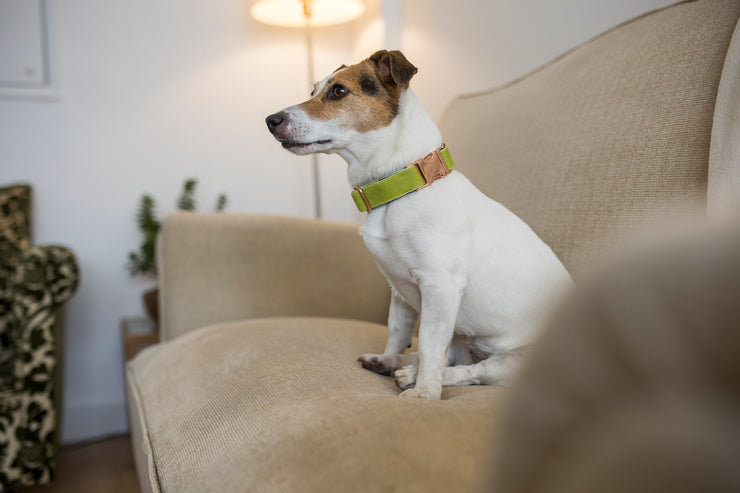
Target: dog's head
(351, 101)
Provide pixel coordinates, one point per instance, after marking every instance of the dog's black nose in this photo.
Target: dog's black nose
(274, 120)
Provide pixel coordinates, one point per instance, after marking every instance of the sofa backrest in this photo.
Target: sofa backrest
(611, 135)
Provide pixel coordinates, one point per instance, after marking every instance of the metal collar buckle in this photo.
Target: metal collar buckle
(431, 167)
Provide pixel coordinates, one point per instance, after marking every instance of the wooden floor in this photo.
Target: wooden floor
(106, 466)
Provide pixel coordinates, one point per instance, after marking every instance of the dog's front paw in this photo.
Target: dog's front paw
(405, 377)
(416, 393)
(376, 363)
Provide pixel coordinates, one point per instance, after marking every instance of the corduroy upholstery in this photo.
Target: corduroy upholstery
(257, 388)
(295, 268)
(282, 405)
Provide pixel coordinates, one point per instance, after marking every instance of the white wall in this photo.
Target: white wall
(153, 92)
(479, 44)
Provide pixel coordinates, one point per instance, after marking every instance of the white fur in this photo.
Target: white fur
(480, 278)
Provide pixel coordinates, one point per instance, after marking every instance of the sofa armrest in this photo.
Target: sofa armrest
(45, 277)
(216, 268)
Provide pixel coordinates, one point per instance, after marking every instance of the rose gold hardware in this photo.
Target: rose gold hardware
(364, 198)
(431, 168)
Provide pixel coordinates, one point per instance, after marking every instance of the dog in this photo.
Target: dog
(478, 280)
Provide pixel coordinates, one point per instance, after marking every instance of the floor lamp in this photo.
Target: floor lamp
(307, 14)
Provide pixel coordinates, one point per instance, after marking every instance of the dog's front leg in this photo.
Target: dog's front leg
(440, 303)
(401, 321)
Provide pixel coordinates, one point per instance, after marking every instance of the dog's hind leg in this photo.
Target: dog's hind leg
(495, 370)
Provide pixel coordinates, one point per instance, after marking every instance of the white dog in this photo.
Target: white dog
(480, 278)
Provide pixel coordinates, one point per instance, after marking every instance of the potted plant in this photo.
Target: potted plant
(144, 261)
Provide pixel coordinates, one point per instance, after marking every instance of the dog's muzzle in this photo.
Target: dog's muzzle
(273, 121)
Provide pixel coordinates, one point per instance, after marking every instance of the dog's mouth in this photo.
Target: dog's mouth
(290, 144)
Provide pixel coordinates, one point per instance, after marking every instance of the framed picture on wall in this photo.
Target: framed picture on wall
(27, 68)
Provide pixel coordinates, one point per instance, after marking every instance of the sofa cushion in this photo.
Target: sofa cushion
(282, 405)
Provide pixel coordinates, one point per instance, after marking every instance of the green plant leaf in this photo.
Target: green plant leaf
(186, 202)
(146, 215)
(221, 203)
(143, 261)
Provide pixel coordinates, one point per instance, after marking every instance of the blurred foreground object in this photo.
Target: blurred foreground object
(636, 386)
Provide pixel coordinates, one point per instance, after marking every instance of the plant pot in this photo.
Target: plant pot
(151, 304)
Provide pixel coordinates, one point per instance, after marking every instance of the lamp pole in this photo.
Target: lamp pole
(307, 13)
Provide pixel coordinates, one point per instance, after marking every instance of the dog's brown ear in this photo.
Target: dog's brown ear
(393, 67)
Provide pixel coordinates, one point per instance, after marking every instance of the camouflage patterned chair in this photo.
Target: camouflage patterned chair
(34, 284)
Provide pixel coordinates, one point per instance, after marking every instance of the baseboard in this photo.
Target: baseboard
(91, 421)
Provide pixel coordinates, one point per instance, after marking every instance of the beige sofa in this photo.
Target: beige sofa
(256, 385)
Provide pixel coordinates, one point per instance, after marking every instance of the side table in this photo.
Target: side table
(138, 333)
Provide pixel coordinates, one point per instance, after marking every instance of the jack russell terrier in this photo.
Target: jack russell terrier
(482, 281)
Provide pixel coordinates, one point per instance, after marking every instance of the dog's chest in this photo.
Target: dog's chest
(389, 254)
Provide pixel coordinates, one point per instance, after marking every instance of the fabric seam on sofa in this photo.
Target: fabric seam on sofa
(724, 147)
(146, 442)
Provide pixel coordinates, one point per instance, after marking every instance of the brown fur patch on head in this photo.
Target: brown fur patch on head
(394, 67)
(370, 103)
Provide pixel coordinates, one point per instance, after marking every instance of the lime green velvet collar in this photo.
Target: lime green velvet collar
(413, 177)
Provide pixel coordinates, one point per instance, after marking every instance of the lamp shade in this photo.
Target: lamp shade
(292, 13)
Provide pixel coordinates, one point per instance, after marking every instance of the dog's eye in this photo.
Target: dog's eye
(338, 92)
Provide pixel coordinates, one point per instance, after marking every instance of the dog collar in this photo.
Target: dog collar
(415, 176)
